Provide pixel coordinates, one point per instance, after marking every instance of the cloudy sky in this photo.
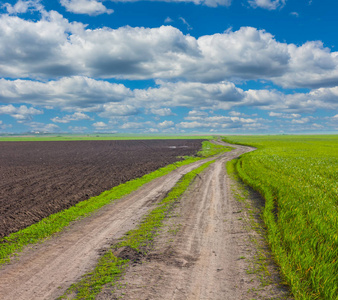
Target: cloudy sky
(169, 66)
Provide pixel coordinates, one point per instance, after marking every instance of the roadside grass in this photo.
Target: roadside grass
(298, 177)
(110, 268)
(260, 261)
(57, 222)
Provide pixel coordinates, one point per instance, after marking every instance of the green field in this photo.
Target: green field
(298, 176)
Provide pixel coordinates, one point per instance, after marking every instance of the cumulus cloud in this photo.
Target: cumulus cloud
(100, 125)
(163, 112)
(53, 47)
(190, 94)
(284, 116)
(112, 110)
(80, 129)
(136, 125)
(68, 92)
(166, 124)
(90, 7)
(267, 4)
(301, 121)
(23, 6)
(168, 20)
(77, 116)
(21, 113)
(82, 94)
(43, 128)
(219, 123)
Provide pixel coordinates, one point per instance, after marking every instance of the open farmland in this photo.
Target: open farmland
(298, 176)
(42, 178)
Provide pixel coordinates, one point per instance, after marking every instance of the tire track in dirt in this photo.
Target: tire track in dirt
(202, 259)
(46, 270)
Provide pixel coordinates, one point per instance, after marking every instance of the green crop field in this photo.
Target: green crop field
(298, 176)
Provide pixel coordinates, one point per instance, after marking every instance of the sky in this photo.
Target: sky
(169, 67)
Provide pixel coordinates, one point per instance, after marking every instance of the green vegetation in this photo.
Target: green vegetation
(57, 222)
(298, 177)
(210, 149)
(110, 267)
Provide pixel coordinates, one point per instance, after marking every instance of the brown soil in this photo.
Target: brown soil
(42, 178)
(206, 250)
(46, 270)
(199, 256)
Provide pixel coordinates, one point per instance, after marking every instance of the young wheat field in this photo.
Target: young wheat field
(298, 176)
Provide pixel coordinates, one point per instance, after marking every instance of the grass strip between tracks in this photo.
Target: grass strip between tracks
(110, 267)
(57, 222)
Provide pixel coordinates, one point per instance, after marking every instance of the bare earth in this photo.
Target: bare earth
(204, 252)
(198, 257)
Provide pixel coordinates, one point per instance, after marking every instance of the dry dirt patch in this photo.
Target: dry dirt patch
(208, 249)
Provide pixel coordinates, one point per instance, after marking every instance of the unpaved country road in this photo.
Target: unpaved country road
(201, 253)
(46, 270)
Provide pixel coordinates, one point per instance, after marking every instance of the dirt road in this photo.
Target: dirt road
(202, 262)
(205, 251)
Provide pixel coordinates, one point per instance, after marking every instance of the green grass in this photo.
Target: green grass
(110, 267)
(57, 222)
(298, 176)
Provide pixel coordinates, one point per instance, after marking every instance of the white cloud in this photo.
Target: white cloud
(166, 124)
(82, 94)
(219, 123)
(136, 125)
(21, 113)
(186, 23)
(100, 125)
(284, 116)
(43, 128)
(53, 47)
(111, 110)
(22, 6)
(77, 116)
(267, 4)
(78, 128)
(163, 112)
(211, 3)
(168, 20)
(68, 92)
(190, 94)
(300, 121)
(90, 7)
(296, 14)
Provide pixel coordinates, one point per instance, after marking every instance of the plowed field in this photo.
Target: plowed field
(41, 178)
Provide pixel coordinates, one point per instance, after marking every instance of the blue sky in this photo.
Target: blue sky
(169, 67)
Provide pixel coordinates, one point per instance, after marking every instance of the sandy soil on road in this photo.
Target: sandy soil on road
(200, 261)
(204, 252)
